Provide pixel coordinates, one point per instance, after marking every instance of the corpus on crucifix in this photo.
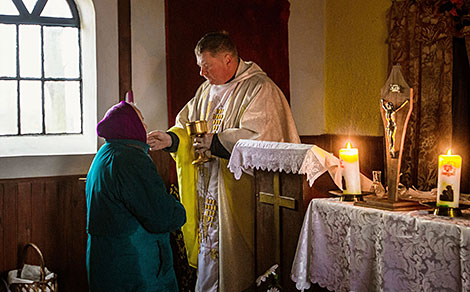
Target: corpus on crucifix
(391, 128)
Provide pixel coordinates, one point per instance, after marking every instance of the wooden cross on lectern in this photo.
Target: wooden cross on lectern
(278, 202)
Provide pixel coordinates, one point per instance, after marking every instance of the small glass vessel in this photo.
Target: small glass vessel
(377, 186)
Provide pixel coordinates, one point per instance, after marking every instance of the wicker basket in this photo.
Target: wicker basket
(43, 285)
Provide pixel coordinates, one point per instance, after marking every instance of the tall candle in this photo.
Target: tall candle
(349, 163)
(448, 181)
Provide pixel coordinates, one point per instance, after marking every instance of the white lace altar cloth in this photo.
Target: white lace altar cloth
(271, 156)
(348, 248)
(306, 159)
(317, 161)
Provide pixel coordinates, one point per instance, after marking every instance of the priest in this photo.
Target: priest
(238, 101)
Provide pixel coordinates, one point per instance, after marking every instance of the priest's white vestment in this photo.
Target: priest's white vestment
(219, 234)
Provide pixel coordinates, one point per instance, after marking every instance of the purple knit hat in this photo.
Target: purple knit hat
(122, 122)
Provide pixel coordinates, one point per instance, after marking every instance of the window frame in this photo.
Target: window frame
(85, 141)
(35, 17)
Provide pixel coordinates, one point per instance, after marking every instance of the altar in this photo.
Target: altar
(349, 248)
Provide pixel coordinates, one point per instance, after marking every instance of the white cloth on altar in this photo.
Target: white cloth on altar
(271, 156)
(306, 159)
(317, 161)
(347, 248)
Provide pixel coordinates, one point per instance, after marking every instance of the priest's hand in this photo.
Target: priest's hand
(158, 140)
(203, 143)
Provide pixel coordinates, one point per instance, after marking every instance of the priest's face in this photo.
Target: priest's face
(216, 68)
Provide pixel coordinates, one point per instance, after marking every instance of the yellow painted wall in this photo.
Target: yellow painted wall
(355, 65)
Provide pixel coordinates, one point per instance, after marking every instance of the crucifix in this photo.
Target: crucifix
(396, 105)
(278, 202)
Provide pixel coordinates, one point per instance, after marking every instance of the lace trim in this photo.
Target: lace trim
(314, 164)
(271, 156)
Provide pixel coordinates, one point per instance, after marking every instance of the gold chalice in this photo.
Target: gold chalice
(198, 129)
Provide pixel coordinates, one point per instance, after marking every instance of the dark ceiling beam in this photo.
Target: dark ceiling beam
(125, 49)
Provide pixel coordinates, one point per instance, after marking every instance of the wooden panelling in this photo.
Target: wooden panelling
(371, 149)
(163, 162)
(258, 28)
(371, 157)
(2, 223)
(125, 50)
(10, 219)
(51, 212)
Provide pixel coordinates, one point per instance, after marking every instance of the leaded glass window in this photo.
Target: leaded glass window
(40, 68)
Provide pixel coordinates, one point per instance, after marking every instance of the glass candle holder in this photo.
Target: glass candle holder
(377, 186)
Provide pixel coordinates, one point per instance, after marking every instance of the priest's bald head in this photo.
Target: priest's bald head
(217, 56)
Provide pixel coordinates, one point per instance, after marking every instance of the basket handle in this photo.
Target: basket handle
(36, 248)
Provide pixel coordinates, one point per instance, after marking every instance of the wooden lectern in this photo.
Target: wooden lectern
(282, 196)
(281, 201)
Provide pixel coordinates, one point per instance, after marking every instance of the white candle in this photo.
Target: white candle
(448, 181)
(349, 164)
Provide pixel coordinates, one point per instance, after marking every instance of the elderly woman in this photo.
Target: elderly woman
(130, 214)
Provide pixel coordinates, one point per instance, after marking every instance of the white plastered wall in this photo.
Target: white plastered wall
(149, 61)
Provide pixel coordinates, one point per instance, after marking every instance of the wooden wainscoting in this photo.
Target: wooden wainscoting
(50, 212)
(371, 149)
(165, 166)
(371, 157)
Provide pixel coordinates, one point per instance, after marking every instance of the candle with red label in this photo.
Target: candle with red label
(448, 181)
(349, 164)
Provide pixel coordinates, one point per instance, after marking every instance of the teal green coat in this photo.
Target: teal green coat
(130, 215)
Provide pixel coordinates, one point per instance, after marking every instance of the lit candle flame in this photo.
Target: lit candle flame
(449, 152)
(349, 164)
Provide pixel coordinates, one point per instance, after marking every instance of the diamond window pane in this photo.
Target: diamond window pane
(30, 107)
(29, 4)
(8, 8)
(9, 108)
(62, 106)
(8, 50)
(61, 52)
(30, 50)
(57, 8)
